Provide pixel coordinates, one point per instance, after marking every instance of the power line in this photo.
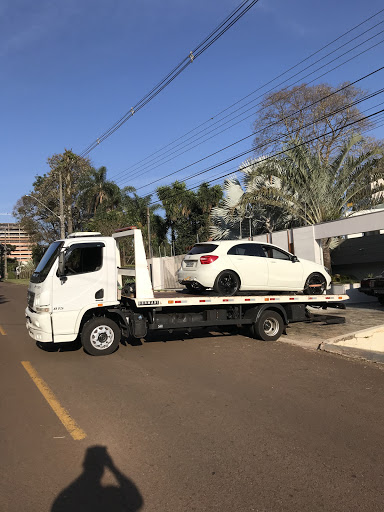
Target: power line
(379, 118)
(277, 139)
(269, 126)
(301, 78)
(225, 25)
(274, 154)
(259, 88)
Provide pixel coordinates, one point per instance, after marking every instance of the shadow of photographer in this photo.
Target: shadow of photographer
(87, 494)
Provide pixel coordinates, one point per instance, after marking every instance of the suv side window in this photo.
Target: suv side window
(84, 258)
(246, 250)
(274, 252)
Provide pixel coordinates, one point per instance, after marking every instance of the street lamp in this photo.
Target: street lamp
(61, 217)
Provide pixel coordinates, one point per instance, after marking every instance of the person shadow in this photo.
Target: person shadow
(87, 494)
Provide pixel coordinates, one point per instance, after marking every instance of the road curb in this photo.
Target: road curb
(333, 345)
(357, 353)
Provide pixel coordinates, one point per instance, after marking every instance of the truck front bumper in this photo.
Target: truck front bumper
(39, 325)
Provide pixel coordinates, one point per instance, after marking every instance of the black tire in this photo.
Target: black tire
(316, 284)
(194, 287)
(381, 299)
(227, 283)
(100, 336)
(268, 326)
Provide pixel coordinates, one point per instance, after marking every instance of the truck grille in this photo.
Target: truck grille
(31, 299)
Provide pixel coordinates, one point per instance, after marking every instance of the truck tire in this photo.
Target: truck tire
(100, 336)
(268, 327)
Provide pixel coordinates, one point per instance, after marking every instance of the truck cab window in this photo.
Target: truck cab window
(81, 260)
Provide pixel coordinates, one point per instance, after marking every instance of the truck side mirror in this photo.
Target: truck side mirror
(61, 265)
(294, 259)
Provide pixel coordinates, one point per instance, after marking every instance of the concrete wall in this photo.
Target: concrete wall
(307, 240)
(163, 272)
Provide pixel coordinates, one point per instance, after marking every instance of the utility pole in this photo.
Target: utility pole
(5, 254)
(149, 234)
(61, 216)
(62, 227)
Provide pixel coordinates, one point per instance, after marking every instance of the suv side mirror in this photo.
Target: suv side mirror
(294, 259)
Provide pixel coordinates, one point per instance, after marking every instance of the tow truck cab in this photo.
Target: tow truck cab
(75, 276)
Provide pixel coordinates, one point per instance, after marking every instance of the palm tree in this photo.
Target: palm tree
(98, 190)
(234, 216)
(177, 201)
(313, 191)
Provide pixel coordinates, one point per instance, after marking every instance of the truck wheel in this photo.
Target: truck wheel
(227, 283)
(268, 327)
(100, 336)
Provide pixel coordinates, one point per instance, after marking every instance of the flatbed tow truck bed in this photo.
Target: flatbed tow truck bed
(182, 298)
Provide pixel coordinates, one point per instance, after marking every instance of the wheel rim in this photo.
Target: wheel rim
(316, 285)
(271, 326)
(102, 337)
(227, 284)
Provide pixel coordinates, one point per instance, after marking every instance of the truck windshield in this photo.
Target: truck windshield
(46, 263)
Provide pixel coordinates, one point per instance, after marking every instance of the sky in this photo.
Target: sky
(69, 70)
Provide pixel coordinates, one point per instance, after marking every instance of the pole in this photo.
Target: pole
(6, 254)
(149, 234)
(62, 227)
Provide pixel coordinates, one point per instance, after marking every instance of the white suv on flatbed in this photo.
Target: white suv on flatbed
(231, 266)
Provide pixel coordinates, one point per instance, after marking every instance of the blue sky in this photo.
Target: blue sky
(69, 70)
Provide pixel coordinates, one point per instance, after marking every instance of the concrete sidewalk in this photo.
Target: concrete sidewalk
(366, 344)
(362, 334)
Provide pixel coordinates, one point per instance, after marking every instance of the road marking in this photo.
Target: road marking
(69, 423)
(2, 332)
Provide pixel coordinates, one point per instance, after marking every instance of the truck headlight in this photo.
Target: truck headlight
(43, 309)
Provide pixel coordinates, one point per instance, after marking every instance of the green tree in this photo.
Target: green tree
(97, 191)
(39, 214)
(71, 168)
(234, 218)
(312, 191)
(306, 112)
(188, 212)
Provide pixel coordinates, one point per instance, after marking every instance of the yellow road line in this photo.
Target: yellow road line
(2, 331)
(69, 423)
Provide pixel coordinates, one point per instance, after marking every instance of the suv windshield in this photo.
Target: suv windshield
(202, 248)
(46, 262)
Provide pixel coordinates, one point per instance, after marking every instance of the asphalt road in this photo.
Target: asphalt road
(193, 423)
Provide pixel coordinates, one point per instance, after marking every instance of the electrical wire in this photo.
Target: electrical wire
(223, 27)
(274, 155)
(264, 128)
(140, 172)
(256, 90)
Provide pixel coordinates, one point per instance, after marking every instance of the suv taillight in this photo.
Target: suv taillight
(205, 260)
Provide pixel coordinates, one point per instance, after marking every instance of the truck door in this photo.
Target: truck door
(82, 285)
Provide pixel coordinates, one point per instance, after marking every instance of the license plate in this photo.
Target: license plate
(189, 263)
(372, 284)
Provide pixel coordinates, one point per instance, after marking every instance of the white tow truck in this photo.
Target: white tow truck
(76, 290)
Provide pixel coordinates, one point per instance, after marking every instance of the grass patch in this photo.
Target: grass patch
(17, 281)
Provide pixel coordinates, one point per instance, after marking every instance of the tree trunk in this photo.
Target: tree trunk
(325, 243)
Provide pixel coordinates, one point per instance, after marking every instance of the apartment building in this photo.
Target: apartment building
(12, 234)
